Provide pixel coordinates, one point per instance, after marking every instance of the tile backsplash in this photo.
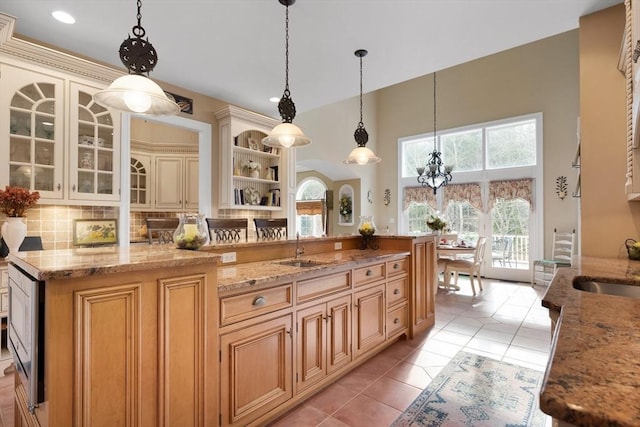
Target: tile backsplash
(54, 223)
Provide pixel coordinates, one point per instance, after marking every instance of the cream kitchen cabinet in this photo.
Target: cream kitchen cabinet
(32, 130)
(176, 182)
(56, 139)
(241, 133)
(140, 178)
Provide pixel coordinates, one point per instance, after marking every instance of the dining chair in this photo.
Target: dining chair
(543, 270)
(271, 229)
(160, 230)
(227, 230)
(469, 266)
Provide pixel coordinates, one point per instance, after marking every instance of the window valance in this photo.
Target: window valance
(418, 195)
(310, 207)
(463, 193)
(511, 190)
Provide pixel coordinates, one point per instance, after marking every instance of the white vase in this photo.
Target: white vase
(255, 173)
(14, 232)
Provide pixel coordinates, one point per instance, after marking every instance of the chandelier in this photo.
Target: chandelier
(361, 155)
(135, 93)
(435, 174)
(286, 134)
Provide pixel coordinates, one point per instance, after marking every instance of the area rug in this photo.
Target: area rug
(477, 391)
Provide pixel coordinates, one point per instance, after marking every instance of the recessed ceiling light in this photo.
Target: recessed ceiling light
(63, 17)
(274, 99)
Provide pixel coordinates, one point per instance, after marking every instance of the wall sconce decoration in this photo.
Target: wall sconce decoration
(369, 197)
(387, 197)
(561, 187)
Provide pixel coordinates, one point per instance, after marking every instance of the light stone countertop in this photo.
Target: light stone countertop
(256, 275)
(81, 262)
(593, 376)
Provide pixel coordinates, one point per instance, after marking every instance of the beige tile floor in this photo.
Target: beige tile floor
(506, 322)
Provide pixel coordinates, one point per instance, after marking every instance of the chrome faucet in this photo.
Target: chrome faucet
(299, 250)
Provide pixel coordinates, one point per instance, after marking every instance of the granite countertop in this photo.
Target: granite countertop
(257, 274)
(593, 377)
(81, 262)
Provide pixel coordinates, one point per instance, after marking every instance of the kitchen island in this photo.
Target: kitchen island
(125, 337)
(153, 335)
(593, 377)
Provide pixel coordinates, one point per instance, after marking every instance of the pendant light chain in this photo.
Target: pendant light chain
(286, 54)
(434, 111)
(138, 30)
(361, 91)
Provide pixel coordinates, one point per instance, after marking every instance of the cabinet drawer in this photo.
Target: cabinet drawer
(396, 291)
(399, 266)
(245, 306)
(372, 273)
(397, 321)
(320, 286)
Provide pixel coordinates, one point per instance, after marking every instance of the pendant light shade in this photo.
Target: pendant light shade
(286, 134)
(361, 155)
(136, 93)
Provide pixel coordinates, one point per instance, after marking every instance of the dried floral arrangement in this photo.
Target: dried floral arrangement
(14, 201)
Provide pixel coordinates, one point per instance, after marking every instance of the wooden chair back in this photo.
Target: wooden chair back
(271, 229)
(160, 230)
(227, 230)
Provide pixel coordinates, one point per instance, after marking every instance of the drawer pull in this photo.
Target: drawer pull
(396, 321)
(396, 266)
(369, 272)
(396, 291)
(259, 301)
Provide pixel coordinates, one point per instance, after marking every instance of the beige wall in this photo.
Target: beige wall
(537, 77)
(607, 218)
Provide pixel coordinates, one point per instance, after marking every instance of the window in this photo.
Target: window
(496, 176)
(311, 207)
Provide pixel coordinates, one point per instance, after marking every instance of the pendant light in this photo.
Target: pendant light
(435, 174)
(135, 93)
(286, 134)
(361, 155)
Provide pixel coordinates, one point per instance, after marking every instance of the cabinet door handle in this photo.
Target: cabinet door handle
(369, 272)
(259, 301)
(396, 291)
(396, 266)
(396, 321)
(73, 187)
(59, 187)
(290, 332)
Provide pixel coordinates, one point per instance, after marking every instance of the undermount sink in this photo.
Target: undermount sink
(299, 263)
(608, 288)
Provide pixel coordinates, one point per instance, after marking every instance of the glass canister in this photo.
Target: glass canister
(192, 232)
(366, 227)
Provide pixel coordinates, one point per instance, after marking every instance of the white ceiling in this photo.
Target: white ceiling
(233, 50)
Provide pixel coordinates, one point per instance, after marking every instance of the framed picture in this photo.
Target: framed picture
(95, 232)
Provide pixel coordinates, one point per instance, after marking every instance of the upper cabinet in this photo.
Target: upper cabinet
(32, 131)
(94, 148)
(36, 109)
(252, 176)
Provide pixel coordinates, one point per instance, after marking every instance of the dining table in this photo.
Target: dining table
(452, 251)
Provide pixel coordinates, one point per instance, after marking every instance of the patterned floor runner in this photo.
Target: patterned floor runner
(477, 391)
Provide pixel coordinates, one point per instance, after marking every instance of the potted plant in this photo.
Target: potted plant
(436, 223)
(14, 202)
(345, 208)
(252, 167)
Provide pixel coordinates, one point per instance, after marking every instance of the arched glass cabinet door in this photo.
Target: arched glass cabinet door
(94, 148)
(32, 121)
(346, 207)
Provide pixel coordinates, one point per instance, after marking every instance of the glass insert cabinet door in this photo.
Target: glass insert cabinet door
(94, 148)
(34, 126)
